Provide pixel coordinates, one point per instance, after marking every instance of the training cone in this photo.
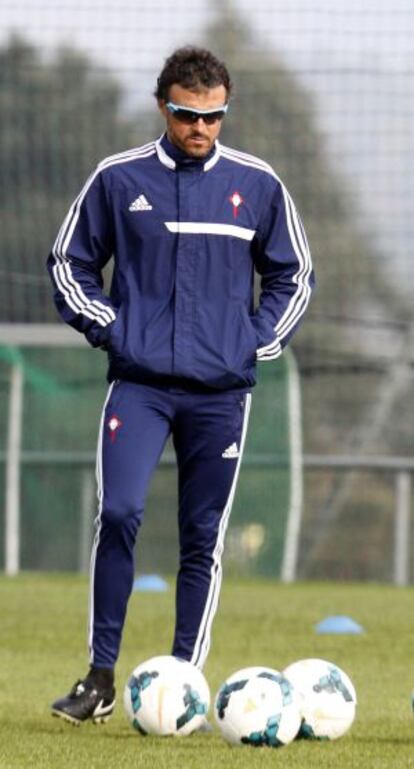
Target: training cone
(151, 583)
(339, 624)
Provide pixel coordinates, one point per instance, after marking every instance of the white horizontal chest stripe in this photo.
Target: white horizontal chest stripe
(210, 228)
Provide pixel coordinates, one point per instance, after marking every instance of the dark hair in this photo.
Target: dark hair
(192, 68)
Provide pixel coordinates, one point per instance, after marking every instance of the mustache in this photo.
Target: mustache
(197, 135)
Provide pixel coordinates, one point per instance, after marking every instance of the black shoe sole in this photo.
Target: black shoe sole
(66, 717)
(76, 721)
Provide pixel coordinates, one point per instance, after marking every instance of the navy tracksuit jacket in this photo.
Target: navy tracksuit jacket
(183, 336)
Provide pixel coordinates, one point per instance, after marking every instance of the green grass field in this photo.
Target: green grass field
(42, 651)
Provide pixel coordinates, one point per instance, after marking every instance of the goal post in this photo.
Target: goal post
(54, 387)
(265, 523)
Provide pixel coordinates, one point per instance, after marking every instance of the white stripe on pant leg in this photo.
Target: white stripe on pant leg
(99, 482)
(202, 644)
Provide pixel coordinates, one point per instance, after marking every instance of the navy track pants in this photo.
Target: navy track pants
(208, 431)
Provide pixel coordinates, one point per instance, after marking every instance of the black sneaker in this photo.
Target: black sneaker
(86, 700)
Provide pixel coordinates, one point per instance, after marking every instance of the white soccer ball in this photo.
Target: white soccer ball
(257, 706)
(328, 698)
(166, 696)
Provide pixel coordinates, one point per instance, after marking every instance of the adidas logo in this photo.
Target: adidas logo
(140, 204)
(231, 452)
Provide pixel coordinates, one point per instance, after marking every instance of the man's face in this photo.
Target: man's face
(196, 139)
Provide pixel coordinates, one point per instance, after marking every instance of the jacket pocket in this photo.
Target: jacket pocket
(115, 343)
(249, 331)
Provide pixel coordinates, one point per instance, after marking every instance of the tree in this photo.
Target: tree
(58, 119)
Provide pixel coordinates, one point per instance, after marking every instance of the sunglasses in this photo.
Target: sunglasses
(190, 115)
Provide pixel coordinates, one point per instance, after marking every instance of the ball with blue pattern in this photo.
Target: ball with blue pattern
(258, 707)
(328, 698)
(166, 696)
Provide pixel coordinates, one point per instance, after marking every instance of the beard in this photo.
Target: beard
(195, 150)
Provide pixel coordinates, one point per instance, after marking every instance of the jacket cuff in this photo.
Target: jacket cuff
(98, 336)
(268, 342)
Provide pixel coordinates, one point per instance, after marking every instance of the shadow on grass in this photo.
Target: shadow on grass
(55, 727)
(375, 739)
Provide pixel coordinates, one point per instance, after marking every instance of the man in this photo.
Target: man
(187, 222)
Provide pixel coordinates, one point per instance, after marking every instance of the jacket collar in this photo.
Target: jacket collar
(173, 157)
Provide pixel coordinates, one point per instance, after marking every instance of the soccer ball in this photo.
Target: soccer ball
(257, 706)
(328, 698)
(166, 696)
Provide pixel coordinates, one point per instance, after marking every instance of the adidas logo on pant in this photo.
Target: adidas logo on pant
(231, 452)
